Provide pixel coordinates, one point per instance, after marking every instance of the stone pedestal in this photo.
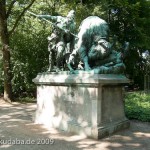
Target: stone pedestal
(89, 104)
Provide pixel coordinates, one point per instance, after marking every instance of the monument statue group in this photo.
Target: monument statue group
(89, 50)
(82, 91)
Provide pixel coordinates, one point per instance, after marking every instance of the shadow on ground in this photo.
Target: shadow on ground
(17, 126)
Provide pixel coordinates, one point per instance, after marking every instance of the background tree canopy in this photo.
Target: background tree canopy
(128, 19)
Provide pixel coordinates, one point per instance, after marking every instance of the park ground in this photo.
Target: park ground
(16, 123)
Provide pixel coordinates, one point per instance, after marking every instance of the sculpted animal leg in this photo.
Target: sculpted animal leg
(84, 57)
(86, 64)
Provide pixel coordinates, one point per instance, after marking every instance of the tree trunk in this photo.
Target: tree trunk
(7, 69)
(6, 54)
(5, 36)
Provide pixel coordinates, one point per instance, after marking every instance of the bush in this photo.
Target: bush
(29, 56)
(137, 106)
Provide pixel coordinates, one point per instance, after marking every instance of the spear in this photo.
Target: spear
(33, 14)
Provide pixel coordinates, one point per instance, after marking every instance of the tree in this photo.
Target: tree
(6, 12)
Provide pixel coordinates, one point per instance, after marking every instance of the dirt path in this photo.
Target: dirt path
(18, 132)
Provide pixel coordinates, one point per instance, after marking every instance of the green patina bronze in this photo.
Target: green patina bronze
(62, 40)
(89, 50)
(95, 50)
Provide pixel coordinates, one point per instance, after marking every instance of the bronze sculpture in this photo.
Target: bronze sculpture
(94, 48)
(90, 48)
(62, 39)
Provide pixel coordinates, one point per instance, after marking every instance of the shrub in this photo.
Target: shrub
(137, 106)
(29, 56)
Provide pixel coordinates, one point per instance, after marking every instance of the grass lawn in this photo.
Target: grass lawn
(137, 106)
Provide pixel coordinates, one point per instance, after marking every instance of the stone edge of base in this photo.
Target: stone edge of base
(115, 127)
(96, 132)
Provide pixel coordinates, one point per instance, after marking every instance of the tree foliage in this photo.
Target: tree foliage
(129, 19)
(6, 15)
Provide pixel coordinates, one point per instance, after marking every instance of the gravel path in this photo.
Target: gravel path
(18, 132)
